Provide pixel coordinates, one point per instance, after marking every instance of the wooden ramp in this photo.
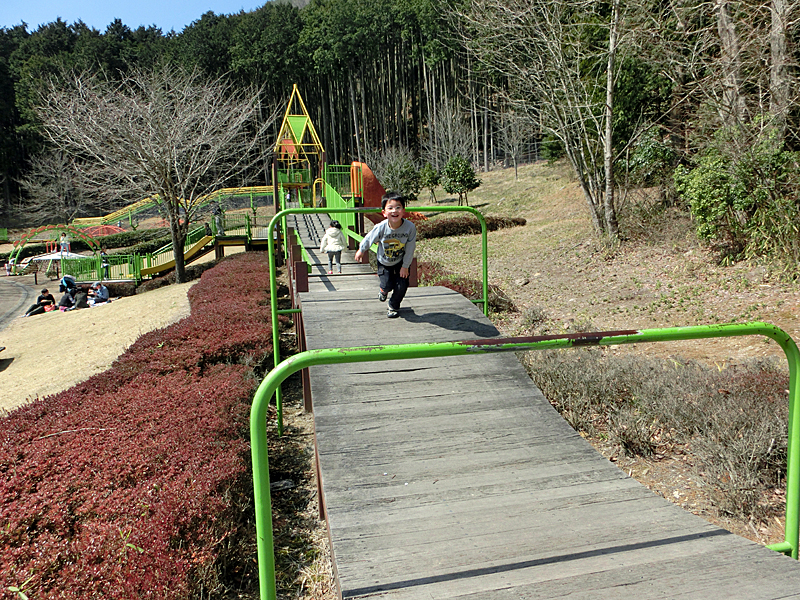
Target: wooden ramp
(454, 478)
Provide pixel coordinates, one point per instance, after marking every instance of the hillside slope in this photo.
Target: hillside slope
(556, 268)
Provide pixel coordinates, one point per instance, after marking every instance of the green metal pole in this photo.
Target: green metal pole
(271, 384)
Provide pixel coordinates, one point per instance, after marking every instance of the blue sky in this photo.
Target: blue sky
(166, 14)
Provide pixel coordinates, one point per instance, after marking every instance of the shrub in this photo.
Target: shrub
(429, 179)
(734, 420)
(135, 483)
(743, 194)
(459, 177)
(463, 225)
(430, 273)
(400, 173)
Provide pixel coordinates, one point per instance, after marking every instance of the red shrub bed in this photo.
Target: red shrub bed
(464, 225)
(431, 273)
(132, 484)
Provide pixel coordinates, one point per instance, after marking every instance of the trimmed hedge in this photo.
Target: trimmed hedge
(142, 237)
(432, 273)
(463, 225)
(134, 483)
(193, 272)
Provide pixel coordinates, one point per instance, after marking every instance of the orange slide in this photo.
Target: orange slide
(373, 190)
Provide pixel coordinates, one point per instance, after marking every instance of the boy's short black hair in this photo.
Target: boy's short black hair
(393, 196)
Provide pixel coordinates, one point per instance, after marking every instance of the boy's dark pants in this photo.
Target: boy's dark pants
(391, 281)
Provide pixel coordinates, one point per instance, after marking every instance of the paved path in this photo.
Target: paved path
(454, 478)
(17, 293)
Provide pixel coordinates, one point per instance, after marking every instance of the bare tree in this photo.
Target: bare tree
(56, 190)
(397, 170)
(166, 132)
(780, 84)
(734, 106)
(516, 131)
(715, 54)
(549, 54)
(449, 135)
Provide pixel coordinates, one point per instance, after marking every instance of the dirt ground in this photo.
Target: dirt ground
(556, 267)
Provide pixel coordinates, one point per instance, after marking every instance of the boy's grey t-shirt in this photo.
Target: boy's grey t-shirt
(394, 245)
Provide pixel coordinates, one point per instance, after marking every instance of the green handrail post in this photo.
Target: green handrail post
(271, 385)
(273, 273)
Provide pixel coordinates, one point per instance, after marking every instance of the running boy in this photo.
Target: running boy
(397, 240)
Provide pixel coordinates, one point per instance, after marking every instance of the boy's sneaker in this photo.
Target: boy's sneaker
(382, 296)
(392, 313)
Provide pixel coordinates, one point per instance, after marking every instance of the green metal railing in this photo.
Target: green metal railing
(125, 266)
(270, 385)
(120, 267)
(334, 201)
(280, 217)
(342, 178)
(238, 224)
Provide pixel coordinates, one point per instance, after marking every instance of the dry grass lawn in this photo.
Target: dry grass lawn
(48, 353)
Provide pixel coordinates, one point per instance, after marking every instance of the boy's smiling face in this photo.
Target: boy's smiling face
(394, 212)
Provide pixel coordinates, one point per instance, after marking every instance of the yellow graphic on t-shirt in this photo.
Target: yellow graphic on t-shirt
(393, 249)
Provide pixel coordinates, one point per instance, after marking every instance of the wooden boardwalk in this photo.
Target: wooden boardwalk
(454, 477)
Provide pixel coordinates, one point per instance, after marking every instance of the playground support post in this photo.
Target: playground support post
(280, 217)
(270, 385)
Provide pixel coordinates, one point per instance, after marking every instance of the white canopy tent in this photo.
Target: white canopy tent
(56, 256)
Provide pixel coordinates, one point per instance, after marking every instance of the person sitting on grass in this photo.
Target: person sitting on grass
(67, 300)
(99, 292)
(81, 298)
(397, 240)
(45, 299)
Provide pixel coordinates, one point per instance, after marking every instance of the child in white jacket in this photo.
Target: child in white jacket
(333, 243)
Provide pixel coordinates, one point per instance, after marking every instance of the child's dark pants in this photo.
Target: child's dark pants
(392, 282)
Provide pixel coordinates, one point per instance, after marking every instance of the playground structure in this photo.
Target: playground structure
(301, 178)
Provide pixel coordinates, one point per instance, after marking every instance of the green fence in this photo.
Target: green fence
(341, 178)
(119, 267)
(164, 255)
(270, 385)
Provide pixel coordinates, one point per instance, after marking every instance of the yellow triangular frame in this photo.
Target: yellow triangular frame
(297, 139)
